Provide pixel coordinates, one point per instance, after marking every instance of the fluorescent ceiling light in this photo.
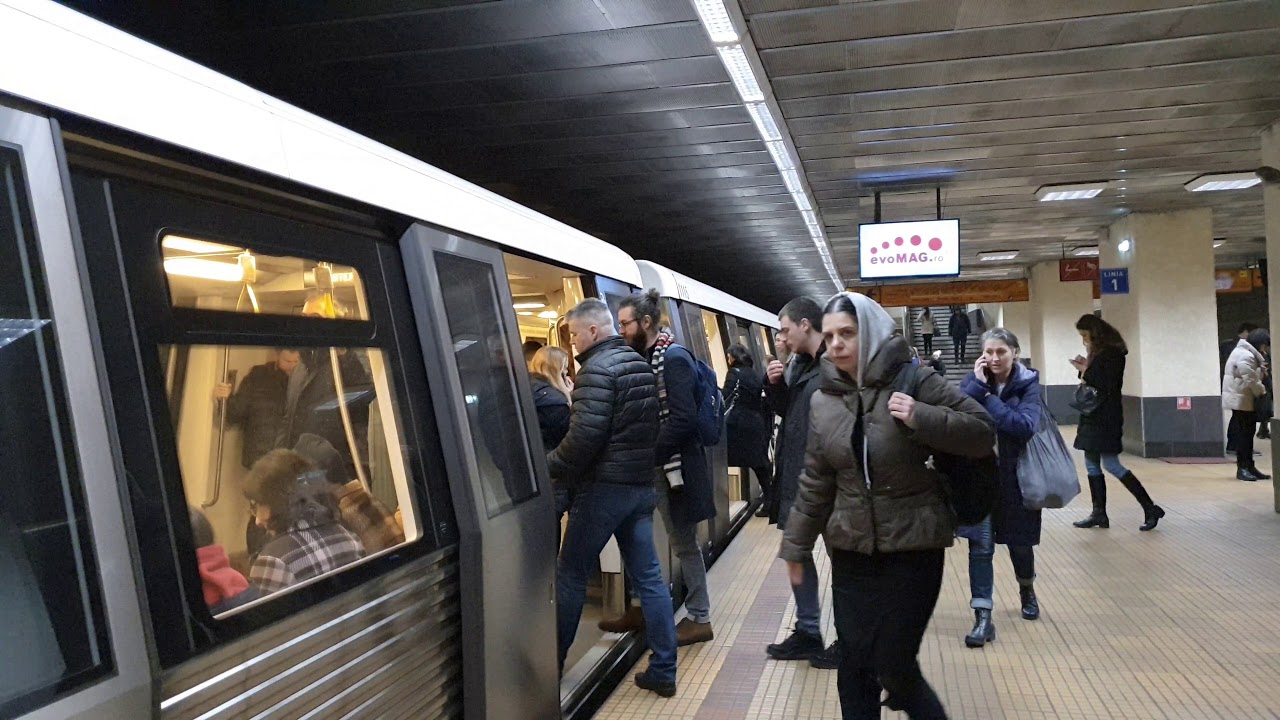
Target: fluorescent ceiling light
(1223, 181)
(204, 269)
(735, 61)
(715, 19)
(997, 255)
(548, 315)
(791, 179)
(526, 313)
(1220, 243)
(1086, 251)
(191, 245)
(764, 121)
(528, 305)
(1070, 192)
(781, 157)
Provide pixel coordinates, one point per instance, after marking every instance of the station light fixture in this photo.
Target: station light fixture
(1219, 243)
(997, 255)
(1086, 251)
(1223, 181)
(204, 269)
(1124, 245)
(735, 51)
(1082, 191)
(199, 247)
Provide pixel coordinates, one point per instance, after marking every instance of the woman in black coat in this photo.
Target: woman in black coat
(1010, 393)
(1101, 428)
(747, 423)
(551, 386)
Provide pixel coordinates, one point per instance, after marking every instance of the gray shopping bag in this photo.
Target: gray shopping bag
(1046, 473)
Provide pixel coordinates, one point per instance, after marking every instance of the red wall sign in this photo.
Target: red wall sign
(1184, 403)
(1083, 269)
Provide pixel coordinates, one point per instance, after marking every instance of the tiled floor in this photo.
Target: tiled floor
(1181, 623)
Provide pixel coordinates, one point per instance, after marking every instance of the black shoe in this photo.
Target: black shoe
(762, 511)
(828, 659)
(1246, 475)
(800, 646)
(645, 681)
(1098, 518)
(1153, 515)
(1259, 474)
(984, 630)
(1030, 606)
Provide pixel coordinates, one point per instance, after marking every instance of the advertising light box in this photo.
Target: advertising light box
(923, 248)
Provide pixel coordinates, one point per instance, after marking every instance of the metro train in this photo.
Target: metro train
(206, 280)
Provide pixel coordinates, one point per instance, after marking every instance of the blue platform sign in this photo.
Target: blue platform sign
(1115, 281)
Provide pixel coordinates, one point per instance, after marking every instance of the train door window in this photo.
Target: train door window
(541, 295)
(488, 381)
(716, 345)
(292, 456)
(55, 636)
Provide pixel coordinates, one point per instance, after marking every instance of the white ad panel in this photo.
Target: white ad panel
(924, 248)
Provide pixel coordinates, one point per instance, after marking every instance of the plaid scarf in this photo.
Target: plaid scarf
(658, 362)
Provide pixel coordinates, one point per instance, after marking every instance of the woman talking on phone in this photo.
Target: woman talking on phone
(1101, 426)
(881, 510)
(1010, 392)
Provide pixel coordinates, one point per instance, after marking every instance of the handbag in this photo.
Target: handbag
(1046, 473)
(730, 419)
(1086, 399)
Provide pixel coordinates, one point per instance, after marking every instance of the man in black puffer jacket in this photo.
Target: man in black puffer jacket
(607, 458)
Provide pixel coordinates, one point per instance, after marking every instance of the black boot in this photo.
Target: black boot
(984, 629)
(1097, 491)
(1258, 473)
(1245, 474)
(1150, 510)
(1030, 606)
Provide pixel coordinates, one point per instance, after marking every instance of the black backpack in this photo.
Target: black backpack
(972, 483)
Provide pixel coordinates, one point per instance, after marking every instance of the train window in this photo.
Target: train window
(294, 471)
(55, 635)
(487, 373)
(219, 276)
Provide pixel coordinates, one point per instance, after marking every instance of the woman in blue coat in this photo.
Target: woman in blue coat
(1010, 392)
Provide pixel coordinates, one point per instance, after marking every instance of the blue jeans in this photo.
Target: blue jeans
(808, 605)
(684, 540)
(982, 574)
(1095, 462)
(625, 512)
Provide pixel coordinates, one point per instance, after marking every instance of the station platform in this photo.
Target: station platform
(1178, 624)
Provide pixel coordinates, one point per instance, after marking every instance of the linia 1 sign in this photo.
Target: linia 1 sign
(925, 248)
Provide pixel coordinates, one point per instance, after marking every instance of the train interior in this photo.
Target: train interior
(232, 405)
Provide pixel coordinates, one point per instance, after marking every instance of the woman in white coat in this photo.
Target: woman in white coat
(1242, 387)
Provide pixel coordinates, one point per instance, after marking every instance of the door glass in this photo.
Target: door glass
(716, 346)
(55, 637)
(487, 374)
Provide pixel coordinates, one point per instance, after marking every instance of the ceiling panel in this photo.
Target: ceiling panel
(616, 115)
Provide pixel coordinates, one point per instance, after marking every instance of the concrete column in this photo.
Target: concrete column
(1271, 204)
(1052, 339)
(1169, 320)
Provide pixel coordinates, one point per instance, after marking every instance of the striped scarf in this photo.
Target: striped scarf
(657, 362)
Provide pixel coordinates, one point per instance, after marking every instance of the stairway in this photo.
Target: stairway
(942, 341)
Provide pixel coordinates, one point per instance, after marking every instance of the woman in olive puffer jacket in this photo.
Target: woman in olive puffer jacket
(882, 512)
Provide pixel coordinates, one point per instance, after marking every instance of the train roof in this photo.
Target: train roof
(61, 59)
(672, 284)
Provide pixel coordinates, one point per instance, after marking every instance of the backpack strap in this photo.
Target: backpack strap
(907, 380)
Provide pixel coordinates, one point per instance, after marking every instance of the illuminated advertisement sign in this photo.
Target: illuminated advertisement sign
(923, 248)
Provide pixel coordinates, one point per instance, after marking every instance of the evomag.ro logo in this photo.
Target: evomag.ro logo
(897, 252)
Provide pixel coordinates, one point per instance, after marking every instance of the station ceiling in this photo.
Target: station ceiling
(617, 117)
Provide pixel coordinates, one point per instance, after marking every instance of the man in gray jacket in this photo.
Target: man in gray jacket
(607, 460)
(788, 390)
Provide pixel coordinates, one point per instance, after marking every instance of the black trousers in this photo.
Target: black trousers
(928, 343)
(882, 604)
(961, 346)
(1245, 425)
(764, 476)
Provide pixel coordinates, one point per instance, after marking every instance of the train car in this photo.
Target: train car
(278, 455)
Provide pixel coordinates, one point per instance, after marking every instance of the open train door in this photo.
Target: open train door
(501, 489)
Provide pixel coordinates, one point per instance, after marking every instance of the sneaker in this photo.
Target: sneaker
(800, 646)
(630, 621)
(828, 659)
(689, 632)
(645, 681)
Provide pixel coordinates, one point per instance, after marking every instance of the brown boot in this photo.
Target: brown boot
(689, 632)
(631, 620)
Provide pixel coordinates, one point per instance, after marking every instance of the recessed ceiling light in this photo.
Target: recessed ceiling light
(716, 20)
(1070, 192)
(1219, 243)
(548, 314)
(1223, 181)
(1124, 171)
(1086, 251)
(997, 255)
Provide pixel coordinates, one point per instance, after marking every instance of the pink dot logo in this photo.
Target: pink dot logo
(935, 244)
(898, 241)
(885, 244)
(875, 250)
(916, 240)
